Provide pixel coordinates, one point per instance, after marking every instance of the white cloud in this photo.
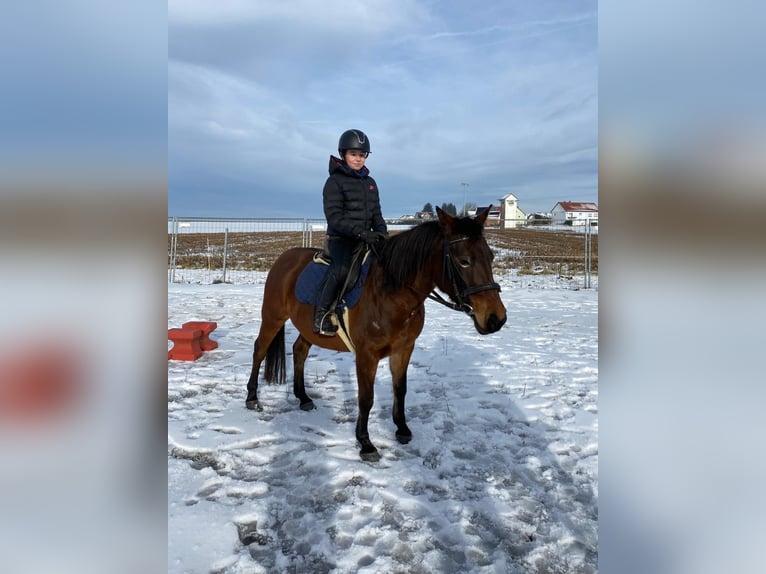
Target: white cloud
(445, 92)
(356, 18)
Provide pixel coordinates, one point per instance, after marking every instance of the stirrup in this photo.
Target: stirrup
(326, 326)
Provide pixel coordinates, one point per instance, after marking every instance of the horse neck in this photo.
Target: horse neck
(428, 277)
(431, 275)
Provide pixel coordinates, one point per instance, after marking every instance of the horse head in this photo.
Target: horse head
(467, 271)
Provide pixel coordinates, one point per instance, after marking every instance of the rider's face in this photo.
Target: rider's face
(355, 159)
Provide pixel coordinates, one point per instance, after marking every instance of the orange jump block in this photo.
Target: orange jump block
(40, 381)
(207, 327)
(186, 344)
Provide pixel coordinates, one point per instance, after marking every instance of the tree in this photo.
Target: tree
(428, 208)
(449, 208)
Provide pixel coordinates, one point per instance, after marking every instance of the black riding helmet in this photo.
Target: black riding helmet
(353, 139)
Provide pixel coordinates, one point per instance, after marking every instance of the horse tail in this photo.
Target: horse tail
(274, 371)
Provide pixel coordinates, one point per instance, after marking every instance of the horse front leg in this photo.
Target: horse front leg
(366, 367)
(300, 352)
(399, 362)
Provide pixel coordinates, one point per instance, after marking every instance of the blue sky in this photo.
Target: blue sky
(503, 97)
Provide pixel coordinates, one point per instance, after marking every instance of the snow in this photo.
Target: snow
(501, 474)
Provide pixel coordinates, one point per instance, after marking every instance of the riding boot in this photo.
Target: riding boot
(323, 317)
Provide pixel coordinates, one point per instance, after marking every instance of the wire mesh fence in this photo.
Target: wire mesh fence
(211, 250)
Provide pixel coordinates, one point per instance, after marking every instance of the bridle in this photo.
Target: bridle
(451, 273)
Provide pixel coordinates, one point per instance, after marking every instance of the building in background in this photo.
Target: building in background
(493, 218)
(511, 215)
(574, 213)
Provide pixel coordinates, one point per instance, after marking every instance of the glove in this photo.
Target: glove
(372, 237)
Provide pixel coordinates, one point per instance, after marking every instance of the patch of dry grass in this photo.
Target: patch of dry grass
(528, 250)
(541, 251)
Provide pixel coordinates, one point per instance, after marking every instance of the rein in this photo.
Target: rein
(453, 273)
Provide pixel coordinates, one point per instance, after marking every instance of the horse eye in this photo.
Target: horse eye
(465, 262)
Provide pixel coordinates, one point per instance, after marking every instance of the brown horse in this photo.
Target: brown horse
(450, 254)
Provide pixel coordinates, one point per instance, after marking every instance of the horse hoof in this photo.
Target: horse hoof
(253, 405)
(373, 456)
(308, 406)
(403, 438)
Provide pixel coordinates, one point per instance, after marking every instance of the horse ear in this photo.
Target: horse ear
(445, 220)
(482, 217)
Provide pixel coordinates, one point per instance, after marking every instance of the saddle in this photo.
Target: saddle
(307, 288)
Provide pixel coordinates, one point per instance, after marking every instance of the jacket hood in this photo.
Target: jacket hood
(337, 165)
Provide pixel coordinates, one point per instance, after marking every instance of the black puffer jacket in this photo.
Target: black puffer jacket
(351, 201)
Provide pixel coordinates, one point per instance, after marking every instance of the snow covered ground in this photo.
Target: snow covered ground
(501, 475)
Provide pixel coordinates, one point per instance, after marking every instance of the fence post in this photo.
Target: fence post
(587, 253)
(173, 248)
(225, 249)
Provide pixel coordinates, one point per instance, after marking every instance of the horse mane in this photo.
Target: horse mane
(406, 254)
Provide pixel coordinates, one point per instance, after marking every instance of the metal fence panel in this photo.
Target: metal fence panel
(240, 250)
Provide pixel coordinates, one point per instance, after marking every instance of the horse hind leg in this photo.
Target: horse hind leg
(266, 342)
(300, 352)
(251, 402)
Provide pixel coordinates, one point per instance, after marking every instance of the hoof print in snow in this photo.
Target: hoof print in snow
(248, 534)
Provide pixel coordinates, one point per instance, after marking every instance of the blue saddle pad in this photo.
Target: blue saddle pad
(307, 286)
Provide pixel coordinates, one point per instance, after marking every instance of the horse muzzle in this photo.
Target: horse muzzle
(492, 324)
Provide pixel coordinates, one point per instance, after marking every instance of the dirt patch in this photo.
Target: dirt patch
(529, 250)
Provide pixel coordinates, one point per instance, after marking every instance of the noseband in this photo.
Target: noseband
(452, 273)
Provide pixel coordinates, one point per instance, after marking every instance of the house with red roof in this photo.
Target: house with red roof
(574, 213)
